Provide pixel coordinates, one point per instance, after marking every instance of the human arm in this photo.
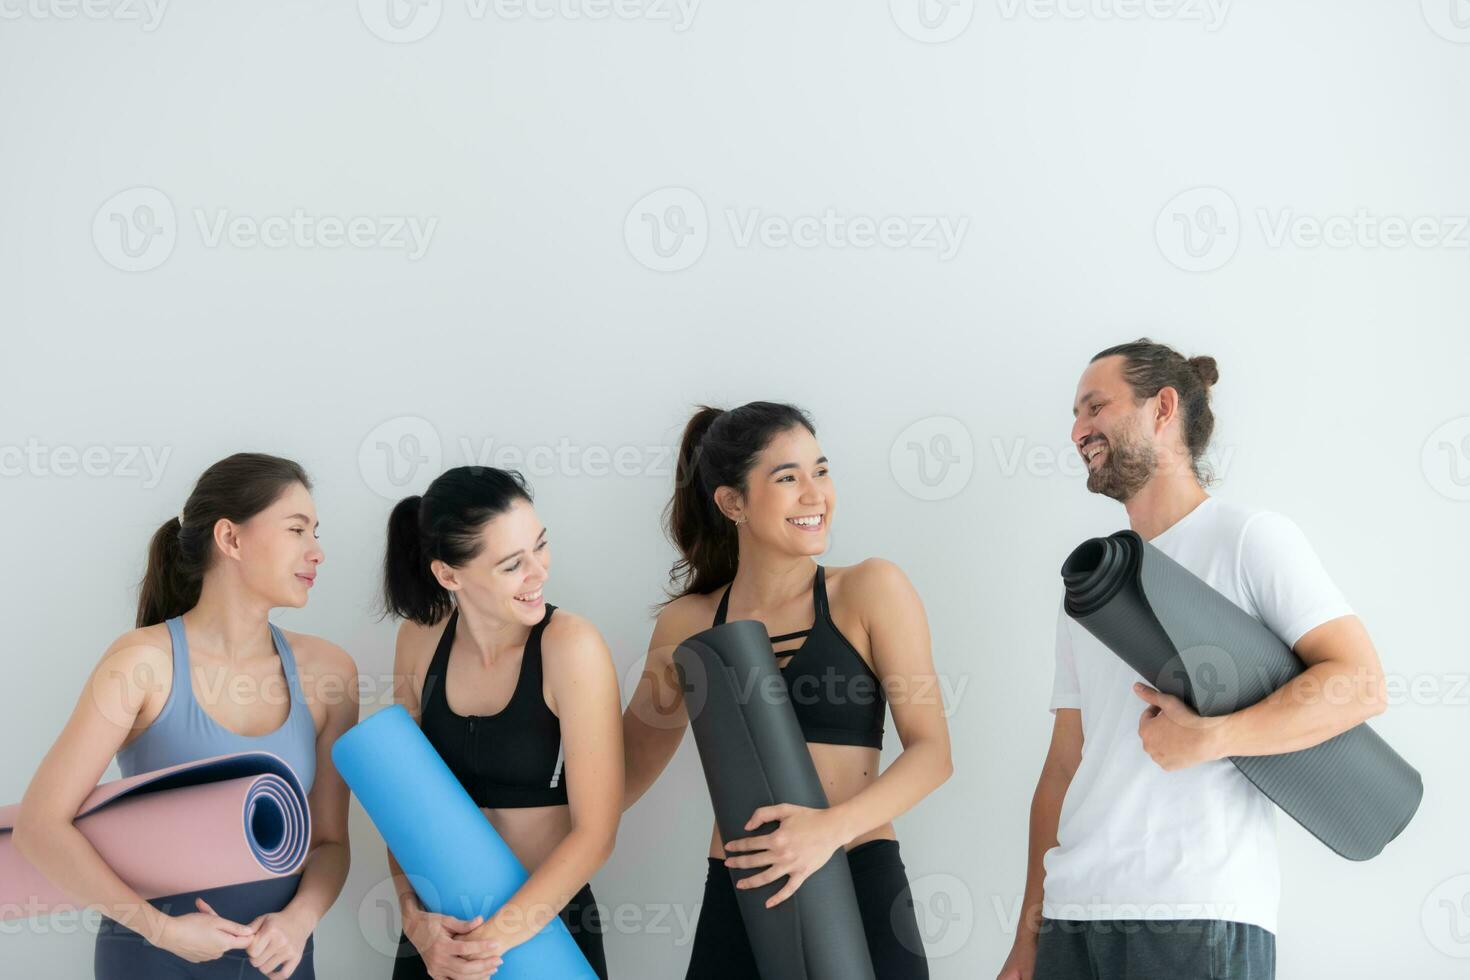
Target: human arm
(126, 680)
(584, 689)
(438, 938)
(656, 717)
(280, 938)
(899, 637)
(1062, 759)
(1341, 687)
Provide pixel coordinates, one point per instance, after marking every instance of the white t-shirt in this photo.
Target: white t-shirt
(1134, 841)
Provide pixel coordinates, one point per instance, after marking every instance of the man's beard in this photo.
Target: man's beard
(1127, 466)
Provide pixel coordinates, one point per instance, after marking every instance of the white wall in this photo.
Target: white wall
(534, 318)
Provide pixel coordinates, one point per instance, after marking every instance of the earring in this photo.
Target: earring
(740, 520)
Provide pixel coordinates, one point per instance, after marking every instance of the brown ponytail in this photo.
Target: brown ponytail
(717, 450)
(236, 489)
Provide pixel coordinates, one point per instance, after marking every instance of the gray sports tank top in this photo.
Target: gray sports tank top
(183, 732)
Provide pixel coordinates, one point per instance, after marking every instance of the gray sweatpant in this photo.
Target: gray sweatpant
(1154, 949)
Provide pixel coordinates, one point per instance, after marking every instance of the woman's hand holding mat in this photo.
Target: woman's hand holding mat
(280, 941)
(204, 935)
(442, 943)
(804, 840)
(754, 756)
(447, 848)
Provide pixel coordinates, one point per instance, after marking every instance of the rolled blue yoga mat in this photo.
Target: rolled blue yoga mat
(455, 860)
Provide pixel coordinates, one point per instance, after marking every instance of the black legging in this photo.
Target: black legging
(722, 951)
(122, 954)
(580, 914)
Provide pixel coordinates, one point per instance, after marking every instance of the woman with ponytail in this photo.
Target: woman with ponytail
(522, 705)
(206, 673)
(751, 511)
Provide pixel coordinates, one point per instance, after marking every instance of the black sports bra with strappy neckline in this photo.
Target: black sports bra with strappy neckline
(837, 698)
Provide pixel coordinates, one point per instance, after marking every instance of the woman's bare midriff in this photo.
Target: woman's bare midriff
(845, 771)
(531, 832)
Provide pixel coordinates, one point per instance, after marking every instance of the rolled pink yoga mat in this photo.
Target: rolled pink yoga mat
(226, 820)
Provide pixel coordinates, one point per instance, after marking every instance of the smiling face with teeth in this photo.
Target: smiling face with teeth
(789, 497)
(1115, 432)
(505, 578)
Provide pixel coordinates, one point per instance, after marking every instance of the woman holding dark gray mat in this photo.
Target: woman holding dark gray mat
(243, 544)
(751, 511)
(522, 706)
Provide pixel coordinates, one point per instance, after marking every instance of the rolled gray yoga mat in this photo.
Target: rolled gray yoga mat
(754, 755)
(1353, 792)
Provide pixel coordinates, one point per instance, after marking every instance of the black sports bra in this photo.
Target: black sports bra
(837, 698)
(512, 758)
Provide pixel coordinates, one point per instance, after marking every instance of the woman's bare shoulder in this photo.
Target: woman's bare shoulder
(150, 645)
(870, 578)
(320, 656)
(687, 615)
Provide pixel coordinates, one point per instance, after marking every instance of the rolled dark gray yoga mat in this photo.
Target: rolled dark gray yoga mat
(754, 755)
(1353, 792)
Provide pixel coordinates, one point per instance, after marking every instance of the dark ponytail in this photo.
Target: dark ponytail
(717, 450)
(445, 523)
(1149, 366)
(234, 489)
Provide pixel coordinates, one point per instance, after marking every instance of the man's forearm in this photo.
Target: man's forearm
(1046, 811)
(1325, 700)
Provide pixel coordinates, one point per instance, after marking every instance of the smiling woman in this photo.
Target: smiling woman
(750, 514)
(521, 705)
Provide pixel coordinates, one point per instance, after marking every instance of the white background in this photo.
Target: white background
(1117, 169)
